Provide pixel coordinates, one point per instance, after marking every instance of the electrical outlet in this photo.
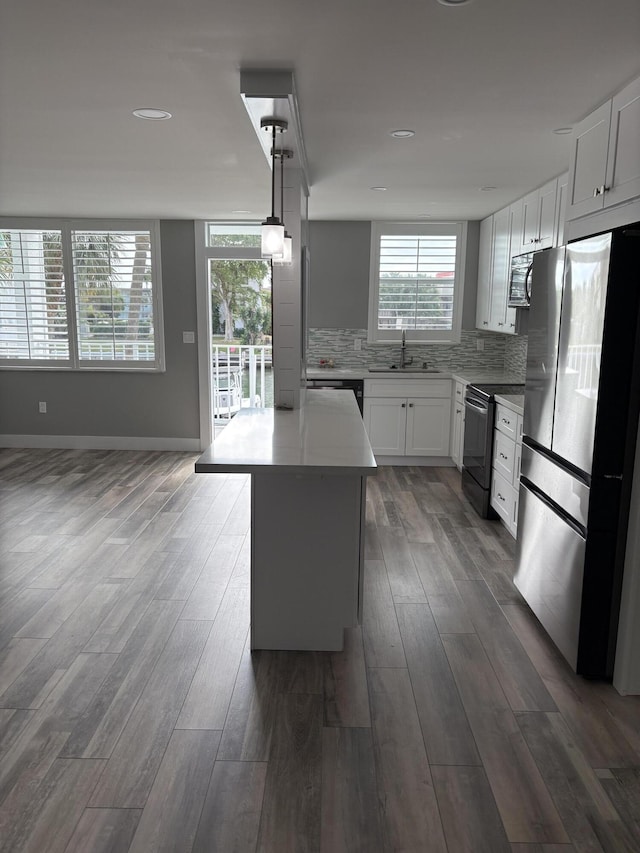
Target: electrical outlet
(479, 344)
(42, 408)
(188, 337)
(357, 344)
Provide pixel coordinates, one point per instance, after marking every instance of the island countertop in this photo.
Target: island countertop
(325, 436)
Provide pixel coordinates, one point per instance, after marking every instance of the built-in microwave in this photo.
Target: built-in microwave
(520, 280)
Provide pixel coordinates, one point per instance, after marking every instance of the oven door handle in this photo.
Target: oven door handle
(477, 406)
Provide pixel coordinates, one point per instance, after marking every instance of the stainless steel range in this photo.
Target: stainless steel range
(480, 407)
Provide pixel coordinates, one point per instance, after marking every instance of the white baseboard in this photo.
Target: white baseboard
(100, 442)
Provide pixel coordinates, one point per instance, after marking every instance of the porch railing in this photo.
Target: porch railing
(241, 376)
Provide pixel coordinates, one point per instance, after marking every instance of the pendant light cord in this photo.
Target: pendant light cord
(273, 171)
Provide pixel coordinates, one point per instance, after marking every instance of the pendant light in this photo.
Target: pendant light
(272, 232)
(287, 254)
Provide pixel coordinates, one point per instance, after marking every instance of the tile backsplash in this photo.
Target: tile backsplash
(499, 351)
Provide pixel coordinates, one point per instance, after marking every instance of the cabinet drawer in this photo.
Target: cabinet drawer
(400, 387)
(504, 455)
(507, 421)
(504, 499)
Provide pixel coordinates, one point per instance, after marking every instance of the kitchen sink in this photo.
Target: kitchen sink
(391, 368)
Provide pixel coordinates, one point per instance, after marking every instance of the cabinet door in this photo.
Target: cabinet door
(530, 221)
(516, 224)
(483, 298)
(547, 214)
(428, 426)
(385, 420)
(500, 268)
(561, 209)
(623, 165)
(457, 432)
(588, 163)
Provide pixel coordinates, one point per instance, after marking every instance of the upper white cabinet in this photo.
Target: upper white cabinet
(494, 263)
(501, 318)
(483, 298)
(561, 209)
(533, 222)
(539, 218)
(605, 156)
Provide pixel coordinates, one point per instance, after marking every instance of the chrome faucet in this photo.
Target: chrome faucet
(404, 361)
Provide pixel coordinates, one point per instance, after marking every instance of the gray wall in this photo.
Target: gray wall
(159, 405)
(339, 274)
(339, 279)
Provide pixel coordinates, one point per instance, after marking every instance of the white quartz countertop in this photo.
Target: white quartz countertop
(515, 402)
(325, 436)
(459, 374)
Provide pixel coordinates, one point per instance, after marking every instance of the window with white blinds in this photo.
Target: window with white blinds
(416, 282)
(80, 296)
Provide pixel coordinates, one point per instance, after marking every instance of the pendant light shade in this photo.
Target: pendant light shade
(272, 231)
(272, 244)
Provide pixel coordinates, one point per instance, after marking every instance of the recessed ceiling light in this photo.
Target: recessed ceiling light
(487, 189)
(561, 131)
(454, 2)
(152, 114)
(379, 189)
(240, 211)
(402, 134)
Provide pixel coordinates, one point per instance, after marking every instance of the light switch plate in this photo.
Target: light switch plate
(188, 337)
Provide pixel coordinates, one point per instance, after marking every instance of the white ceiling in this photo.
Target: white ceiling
(483, 85)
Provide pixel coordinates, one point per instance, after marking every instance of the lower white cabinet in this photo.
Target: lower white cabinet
(505, 476)
(414, 424)
(457, 424)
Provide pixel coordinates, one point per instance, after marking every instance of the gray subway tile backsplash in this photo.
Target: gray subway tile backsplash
(499, 351)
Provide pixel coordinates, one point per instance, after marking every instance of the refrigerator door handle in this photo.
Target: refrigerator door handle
(554, 507)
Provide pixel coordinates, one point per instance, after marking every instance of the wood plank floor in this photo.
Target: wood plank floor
(134, 717)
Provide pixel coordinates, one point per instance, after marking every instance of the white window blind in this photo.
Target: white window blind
(80, 297)
(33, 310)
(113, 294)
(417, 282)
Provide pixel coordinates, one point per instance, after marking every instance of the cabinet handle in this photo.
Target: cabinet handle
(404, 405)
(501, 324)
(512, 325)
(601, 190)
(411, 405)
(504, 456)
(458, 411)
(485, 322)
(505, 421)
(500, 498)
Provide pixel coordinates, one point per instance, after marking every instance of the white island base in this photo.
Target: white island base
(308, 469)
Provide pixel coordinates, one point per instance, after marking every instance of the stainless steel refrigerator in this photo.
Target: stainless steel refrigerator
(582, 398)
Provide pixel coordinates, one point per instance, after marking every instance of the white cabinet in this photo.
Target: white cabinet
(561, 209)
(494, 264)
(457, 424)
(483, 298)
(605, 155)
(505, 476)
(539, 218)
(408, 417)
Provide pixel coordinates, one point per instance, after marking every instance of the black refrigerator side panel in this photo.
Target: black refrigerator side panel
(614, 458)
(619, 386)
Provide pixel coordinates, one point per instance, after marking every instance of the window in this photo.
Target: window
(80, 295)
(417, 273)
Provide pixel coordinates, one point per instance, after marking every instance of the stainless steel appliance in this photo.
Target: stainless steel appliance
(582, 398)
(479, 417)
(356, 386)
(520, 280)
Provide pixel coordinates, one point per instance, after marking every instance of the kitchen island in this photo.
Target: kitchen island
(308, 472)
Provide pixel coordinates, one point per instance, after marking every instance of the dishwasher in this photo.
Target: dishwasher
(356, 386)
